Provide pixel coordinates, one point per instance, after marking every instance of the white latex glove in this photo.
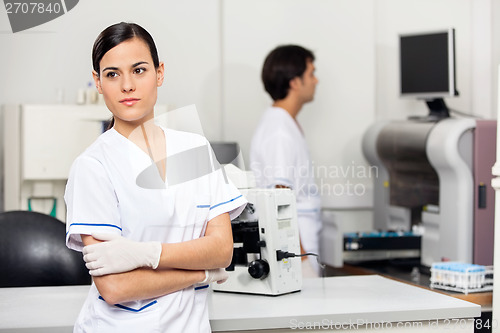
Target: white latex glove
(218, 275)
(118, 254)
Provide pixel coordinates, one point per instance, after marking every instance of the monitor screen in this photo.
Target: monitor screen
(227, 152)
(427, 64)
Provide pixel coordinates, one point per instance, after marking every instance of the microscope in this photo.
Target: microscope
(266, 239)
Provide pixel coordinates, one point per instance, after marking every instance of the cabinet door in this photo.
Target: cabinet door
(52, 136)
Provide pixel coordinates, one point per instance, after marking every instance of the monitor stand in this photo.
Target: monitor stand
(437, 111)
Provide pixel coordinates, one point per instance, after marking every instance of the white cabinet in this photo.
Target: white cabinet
(52, 136)
(40, 144)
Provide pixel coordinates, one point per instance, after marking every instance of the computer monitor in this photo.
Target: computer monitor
(427, 68)
(227, 152)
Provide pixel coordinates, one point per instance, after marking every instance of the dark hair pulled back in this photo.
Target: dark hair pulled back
(119, 33)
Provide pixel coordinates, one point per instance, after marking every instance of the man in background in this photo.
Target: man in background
(279, 156)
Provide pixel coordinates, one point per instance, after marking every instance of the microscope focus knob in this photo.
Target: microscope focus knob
(258, 269)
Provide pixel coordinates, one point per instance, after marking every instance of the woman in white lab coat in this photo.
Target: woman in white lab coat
(149, 207)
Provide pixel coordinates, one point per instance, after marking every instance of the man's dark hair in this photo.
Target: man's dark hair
(282, 65)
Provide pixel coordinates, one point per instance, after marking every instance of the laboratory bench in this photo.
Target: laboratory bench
(402, 270)
(368, 303)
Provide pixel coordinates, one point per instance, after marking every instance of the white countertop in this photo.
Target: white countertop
(339, 299)
(41, 309)
(367, 298)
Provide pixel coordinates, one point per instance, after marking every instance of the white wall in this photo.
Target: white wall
(57, 55)
(495, 41)
(341, 36)
(214, 49)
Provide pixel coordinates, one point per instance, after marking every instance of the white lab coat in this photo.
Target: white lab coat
(279, 156)
(112, 188)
